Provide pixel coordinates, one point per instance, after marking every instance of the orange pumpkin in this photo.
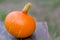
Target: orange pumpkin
(19, 23)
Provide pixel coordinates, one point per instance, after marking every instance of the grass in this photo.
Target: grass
(52, 29)
(2, 15)
(17, 1)
(2, 1)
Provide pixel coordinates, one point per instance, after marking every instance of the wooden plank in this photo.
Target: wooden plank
(41, 33)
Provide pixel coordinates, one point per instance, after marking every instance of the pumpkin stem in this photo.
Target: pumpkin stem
(27, 6)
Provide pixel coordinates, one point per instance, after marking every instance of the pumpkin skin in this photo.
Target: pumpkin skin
(20, 24)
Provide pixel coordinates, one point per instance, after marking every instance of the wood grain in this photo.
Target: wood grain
(41, 33)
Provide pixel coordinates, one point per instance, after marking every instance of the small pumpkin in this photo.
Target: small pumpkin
(19, 23)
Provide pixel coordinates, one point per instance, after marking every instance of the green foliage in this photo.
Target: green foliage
(32, 12)
(17, 1)
(2, 15)
(52, 29)
(51, 4)
(1, 1)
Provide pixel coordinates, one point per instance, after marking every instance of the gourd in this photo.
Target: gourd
(19, 23)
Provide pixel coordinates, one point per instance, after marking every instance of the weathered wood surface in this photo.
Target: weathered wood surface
(41, 33)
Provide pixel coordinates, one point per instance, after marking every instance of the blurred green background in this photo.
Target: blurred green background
(41, 10)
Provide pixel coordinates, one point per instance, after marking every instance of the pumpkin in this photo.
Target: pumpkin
(19, 23)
